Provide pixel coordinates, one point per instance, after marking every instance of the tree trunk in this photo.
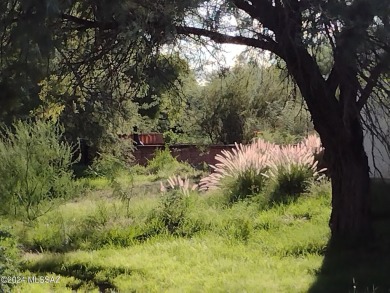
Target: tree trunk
(348, 163)
(337, 120)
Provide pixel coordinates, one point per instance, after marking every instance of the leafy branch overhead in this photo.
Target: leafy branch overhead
(103, 55)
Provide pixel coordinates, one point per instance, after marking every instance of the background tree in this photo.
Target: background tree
(180, 108)
(96, 64)
(358, 33)
(250, 98)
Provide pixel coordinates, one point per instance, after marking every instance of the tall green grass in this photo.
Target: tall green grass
(212, 246)
(176, 242)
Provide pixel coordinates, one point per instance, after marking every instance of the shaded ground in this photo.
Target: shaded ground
(358, 269)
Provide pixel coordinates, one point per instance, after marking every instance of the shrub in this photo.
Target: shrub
(35, 168)
(164, 165)
(138, 170)
(9, 255)
(99, 225)
(161, 160)
(106, 165)
(239, 228)
(53, 235)
(124, 190)
(245, 184)
(115, 236)
(290, 181)
(313, 144)
(278, 136)
(180, 184)
(173, 209)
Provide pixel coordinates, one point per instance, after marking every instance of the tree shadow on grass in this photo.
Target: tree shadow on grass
(361, 269)
(85, 274)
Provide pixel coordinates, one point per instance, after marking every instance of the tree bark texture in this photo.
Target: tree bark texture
(337, 120)
(349, 172)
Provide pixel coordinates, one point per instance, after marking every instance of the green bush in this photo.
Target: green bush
(279, 136)
(35, 170)
(95, 235)
(138, 170)
(242, 229)
(171, 213)
(161, 160)
(106, 165)
(53, 236)
(98, 228)
(164, 165)
(9, 258)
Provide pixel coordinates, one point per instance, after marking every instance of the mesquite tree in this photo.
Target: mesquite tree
(104, 44)
(357, 31)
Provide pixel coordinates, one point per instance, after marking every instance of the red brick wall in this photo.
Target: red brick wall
(193, 154)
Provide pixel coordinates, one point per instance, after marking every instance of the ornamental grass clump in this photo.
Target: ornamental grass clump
(292, 169)
(175, 204)
(242, 170)
(247, 169)
(313, 144)
(180, 184)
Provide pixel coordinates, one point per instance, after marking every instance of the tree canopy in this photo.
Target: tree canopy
(91, 64)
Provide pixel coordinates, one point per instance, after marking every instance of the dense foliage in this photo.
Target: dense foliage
(9, 259)
(247, 99)
(35, 170)
(62, 60)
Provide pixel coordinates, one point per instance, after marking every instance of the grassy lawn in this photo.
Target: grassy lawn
(96, 244)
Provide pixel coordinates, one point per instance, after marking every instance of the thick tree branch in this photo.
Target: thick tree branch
(261, 10)
(333, 81)
(227, 39)
(86, 24)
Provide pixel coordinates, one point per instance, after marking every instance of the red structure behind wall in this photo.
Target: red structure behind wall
(151, 138)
